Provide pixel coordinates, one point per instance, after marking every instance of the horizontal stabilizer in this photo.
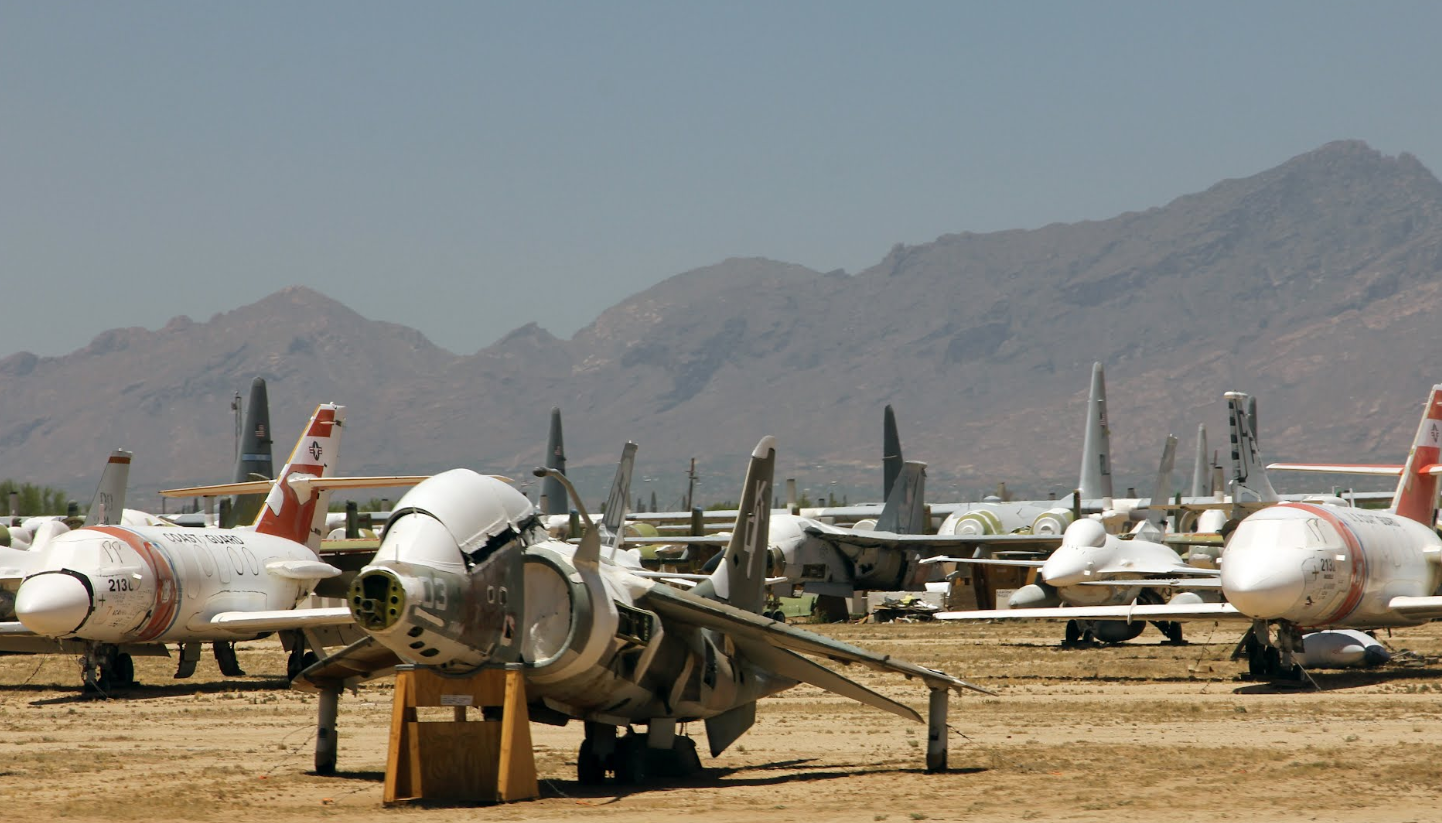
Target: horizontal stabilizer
(282, 619)
(1337, 468)
(1202, 583)
(318, 483)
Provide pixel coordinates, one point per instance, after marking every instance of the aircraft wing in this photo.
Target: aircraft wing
(1208, 583)
(362, 660)
(678, 540)
(832, 534)
(14, 628)
(1420, 607)
(745, 627)
(986, 561)
(282, 619)
(1181, 611)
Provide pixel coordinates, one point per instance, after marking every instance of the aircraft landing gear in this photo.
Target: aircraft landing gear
(225, 658)
(1172, 631)
(1272, 661)
(631, 758)
(104, 667)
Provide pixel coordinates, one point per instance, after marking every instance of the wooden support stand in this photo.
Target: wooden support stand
(460, 760)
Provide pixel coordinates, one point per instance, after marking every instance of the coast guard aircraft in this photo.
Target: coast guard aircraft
(466, 577)
(115, 587)
(1298, 566)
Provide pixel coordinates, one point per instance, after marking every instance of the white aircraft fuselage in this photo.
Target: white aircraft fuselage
(1315, 565)
(135, 585)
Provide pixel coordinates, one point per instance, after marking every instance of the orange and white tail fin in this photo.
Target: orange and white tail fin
(1416, 496)
(292, 509)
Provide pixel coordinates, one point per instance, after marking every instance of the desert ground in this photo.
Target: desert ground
(1136, 732)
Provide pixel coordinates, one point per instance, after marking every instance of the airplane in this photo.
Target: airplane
(115, 587)
(466, 577)
(1297, 566)
(254, 461)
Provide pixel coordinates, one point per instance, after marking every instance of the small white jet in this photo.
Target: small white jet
(1294, 567)
(115, 587)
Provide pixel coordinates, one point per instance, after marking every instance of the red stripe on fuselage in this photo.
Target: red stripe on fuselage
(1357, 583)
(167, 591)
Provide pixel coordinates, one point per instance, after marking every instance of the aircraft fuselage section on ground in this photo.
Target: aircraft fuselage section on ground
(132, 585)
(1329, 566)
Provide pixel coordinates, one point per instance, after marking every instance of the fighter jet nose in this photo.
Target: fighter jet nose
(1066, 567)
(52, 604)
(1265, 591)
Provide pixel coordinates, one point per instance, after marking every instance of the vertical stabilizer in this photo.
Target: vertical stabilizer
(553, 494)
(1096, 468)
(1201, 472)
(891, 461)
(1416, 496)
(905, 509)
(292, 509)
(254, 462)
(108, 506)
(1162, 488)
(740, 579)
(614, 520)
(1249, 478)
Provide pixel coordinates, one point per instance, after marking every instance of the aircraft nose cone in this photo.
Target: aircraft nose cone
(1263, 590)
(1064, 568)
(52, 605)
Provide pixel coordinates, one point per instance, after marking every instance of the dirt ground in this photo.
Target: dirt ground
(1137, 732)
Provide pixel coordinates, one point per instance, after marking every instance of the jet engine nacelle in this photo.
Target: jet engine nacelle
(1052, 521)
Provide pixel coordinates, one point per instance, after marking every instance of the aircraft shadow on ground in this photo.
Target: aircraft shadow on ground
(1336, 680)
(727, 777)
(74, 694)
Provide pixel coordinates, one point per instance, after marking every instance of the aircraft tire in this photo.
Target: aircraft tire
(124, 671)
(590, 771)
(630, 761)
(1073, 633)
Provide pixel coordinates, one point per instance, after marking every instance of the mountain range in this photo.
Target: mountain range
(1312, 285)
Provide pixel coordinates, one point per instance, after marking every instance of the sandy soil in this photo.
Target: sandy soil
(1137, 732)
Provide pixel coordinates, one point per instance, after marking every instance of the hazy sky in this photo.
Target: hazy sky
(465, 168)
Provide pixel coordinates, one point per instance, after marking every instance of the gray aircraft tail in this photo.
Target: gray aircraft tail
(905, 509)
(740, 579)
(614, 520)
(108, 506)
(891, 461)
(1201, 472)
(553, 494)
(1249, 478)
(1162, 488)
(254, 461)
(1095, 482)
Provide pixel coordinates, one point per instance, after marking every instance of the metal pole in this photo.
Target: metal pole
(936, 730)
(326, 743)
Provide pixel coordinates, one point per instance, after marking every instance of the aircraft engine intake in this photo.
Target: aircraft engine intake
(1052, 521)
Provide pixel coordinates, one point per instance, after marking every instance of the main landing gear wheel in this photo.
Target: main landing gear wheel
(1173, 632)
(1073, 633)
(630, 757)
(299, 660)
(590, 768)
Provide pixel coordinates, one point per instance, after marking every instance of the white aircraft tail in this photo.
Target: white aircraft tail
(108, 506)
(740, 579)
(293, 509)
(1201, 471)
(1249, 476)
(1162, 488)
(1095, 482)
(613, 523)
(1416, 496)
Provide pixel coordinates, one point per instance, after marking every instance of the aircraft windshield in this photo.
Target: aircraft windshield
(1310, 533)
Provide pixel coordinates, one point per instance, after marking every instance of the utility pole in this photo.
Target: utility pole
(690, 485)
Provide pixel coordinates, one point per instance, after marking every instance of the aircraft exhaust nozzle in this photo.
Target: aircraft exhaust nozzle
(377, 599)
(53, 604)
